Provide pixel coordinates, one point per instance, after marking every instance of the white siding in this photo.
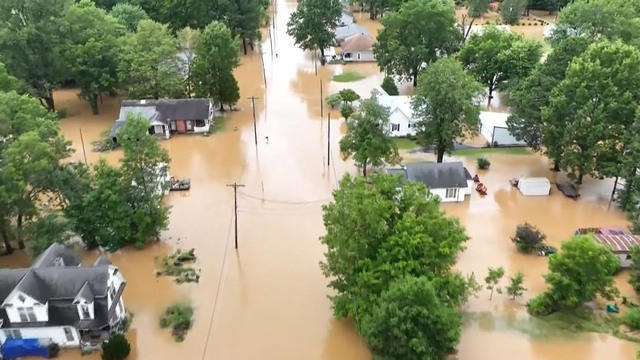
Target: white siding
(493, 126)
(402, 123)
(359, 56)
(55, 334)
(461, 193)
(40, 310)
(625, 262)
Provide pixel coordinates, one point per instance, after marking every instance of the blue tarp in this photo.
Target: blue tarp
(14, 348)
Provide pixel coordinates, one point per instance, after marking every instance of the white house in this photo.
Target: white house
(343, 32)
(358, 47)
(401, 121)
(451, 181)
(493, 126)
(60, 300)
(168, 116)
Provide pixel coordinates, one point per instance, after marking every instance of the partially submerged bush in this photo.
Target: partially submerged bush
(116, 348)
(483, 163)
(389, 86)
(333, 100)
(632, 318)
(176, 265)
(180, 318)
(527, 238)
(540, 305)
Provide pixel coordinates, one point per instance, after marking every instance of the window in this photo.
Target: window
(347, 56)
(173, 126)
(23, 314)
(358, 56)
(395, 127)
(451, 193)
(158, 129)
(31, 314)
(84, 309)
(68, 333)
(199, 123)
(13, 334)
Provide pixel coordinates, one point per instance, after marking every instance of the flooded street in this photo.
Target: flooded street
(269, 300)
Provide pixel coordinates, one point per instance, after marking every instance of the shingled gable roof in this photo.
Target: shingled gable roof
(436, 175)
(165, 110)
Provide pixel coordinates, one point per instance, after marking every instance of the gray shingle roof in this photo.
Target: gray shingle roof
(438, 175)
(165, 110)
(54, 253)
(9, 278)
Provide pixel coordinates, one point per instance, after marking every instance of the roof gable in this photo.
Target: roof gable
(438, 175)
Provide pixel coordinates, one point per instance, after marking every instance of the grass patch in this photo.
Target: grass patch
(348, 76)
(177, 265)
(219, 124)
(105, 143)
(487, 151)
(180, 318)
(406, 144)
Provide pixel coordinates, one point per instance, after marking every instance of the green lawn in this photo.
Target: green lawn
(348, 76)
(487, 151)
(219, 124)
(406, 144)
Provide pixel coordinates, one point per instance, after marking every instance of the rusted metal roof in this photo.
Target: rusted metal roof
(618, 240)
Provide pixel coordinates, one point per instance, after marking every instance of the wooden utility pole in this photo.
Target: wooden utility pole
(264, 75)
(255, 131)
(321, 101)
(235, 187)
(329, 138)
(84, 153)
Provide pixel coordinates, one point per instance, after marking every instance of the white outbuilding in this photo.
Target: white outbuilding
(493, 126)
(534, 186)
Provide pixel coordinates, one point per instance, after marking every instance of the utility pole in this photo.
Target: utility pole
(329, 138)
(321, 101)
(84, 153)
(255, 131)
(235, 187)
(264, 75)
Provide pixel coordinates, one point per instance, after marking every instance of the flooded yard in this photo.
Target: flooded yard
(268, 300)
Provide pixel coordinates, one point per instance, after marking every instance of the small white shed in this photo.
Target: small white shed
(493, 126)
(534, 186)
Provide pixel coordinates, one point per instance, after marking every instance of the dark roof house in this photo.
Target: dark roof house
(436, 175)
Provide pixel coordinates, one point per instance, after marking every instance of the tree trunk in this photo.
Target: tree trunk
(322, 59)
(7, 245)
(364, 169)
(93, 101)
(556, 165)
(580, 176)
(244, 45)
(415, 78)
(49, 103)
(440, 154)
(371, 13)
(490, 95)
(221, 106)
(19, 232)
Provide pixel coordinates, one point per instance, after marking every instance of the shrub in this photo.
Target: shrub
(632, 319)
(540, 306)
(528, 238)
(180, 318)
(483, 163)
(634, 276)
(334, 100)
(62, 113)
(116, 348)
(53, 350)
(389, 86)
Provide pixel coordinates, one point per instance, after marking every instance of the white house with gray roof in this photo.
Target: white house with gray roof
(60, 300)
(451, 181)
(168, 116)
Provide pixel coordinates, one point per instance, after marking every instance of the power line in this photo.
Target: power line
(284, 201)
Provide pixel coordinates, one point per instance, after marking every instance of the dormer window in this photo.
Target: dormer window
(84, 311)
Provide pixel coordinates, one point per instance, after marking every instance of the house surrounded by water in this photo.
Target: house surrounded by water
(60, 300)
(619, 240)
(451, 181)
(168, 116)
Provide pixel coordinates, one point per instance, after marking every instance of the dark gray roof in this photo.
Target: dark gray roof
(55, 253)
(101, 260)
(438, 175)
(9, 278)
(168, 109)
(85, 292)
(44, 284)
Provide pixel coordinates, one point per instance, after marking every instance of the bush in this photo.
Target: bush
(180, 318)
(632, 319)
(334, 100)
(528, 238)
(116, 348)
(540, 306)
(634, 276)
(53, 350)
(62, 113)
(483, 163)
(389, 86)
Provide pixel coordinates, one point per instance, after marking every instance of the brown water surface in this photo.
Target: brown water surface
(269, 300)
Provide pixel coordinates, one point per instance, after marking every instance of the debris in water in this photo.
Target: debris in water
(180, 318)
(174, 265)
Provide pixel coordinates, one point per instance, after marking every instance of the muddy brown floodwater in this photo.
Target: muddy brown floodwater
(269, 300)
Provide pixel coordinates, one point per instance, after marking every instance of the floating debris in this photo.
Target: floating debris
(176, 265)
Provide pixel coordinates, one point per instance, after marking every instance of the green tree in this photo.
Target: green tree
(593, 108)
(445, 105)
(91, 50)
(346, 111)
(493, 279)
(149, 66)
(8, 82)
(312, 25)
(582, 270)
(128, 15)
(348, 96)
(495, 57)
(511, 10)
(380, 230)
(416, 35)
(389, 86)
(216, 57)
(116, 348)
(49, 228)
(333, 100)
(187, 40)
(528, 238)
(478, 8)
(367, 138)
(244, 20)
(634, 275)
(144, 166)
(411, 322)
(30, 39)
(515, 288)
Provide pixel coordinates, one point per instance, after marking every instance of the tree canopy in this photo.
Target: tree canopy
(128, 15)
(496, 57)
(367, 138)
(415, 35)
(445, 104)
(312, 25)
